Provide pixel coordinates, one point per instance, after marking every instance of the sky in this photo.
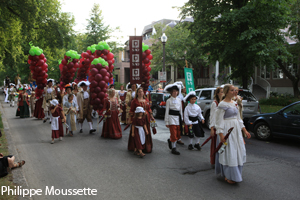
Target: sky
(127, 14)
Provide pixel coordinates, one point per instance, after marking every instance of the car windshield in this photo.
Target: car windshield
(247, 95)
(166, 96)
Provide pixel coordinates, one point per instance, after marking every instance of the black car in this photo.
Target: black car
(285, 122)
(159, 103)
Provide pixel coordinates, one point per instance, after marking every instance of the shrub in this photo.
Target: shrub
(278, 101)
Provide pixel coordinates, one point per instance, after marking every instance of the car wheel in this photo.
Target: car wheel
(207, 119)
(262, 131)
(154, 112)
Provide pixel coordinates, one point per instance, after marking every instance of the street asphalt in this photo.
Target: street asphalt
(272, 170)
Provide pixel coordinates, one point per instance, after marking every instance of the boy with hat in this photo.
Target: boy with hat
(173, 116)
(192, 118)
(84, 106)
(49, 94)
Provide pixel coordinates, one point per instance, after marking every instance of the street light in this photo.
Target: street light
(164, 39)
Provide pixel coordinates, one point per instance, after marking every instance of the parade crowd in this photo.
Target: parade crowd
(71, 106)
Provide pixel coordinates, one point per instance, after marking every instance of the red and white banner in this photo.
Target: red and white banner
(135, 48)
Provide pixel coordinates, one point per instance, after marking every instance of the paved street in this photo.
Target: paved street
(272, 170)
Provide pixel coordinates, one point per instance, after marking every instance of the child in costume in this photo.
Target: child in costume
(138, 131)
(57, 115)
(32, 103)
(192, 118)
(70, 110)
(173, 116)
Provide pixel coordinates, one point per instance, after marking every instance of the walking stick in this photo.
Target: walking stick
(206, 141)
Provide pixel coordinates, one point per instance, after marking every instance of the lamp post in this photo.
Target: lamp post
(164, 39)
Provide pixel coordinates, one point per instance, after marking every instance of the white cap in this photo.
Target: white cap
(190, 95)
(139, 109)
(54, 102)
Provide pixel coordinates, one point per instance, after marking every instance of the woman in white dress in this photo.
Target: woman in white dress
(6, 94)
(230, 163)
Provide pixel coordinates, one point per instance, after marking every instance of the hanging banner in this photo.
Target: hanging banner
(189, 80)
(135, 48)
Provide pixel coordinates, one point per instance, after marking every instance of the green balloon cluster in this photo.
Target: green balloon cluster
(101, 61)
(73, 54)
(145, 47)
(102, 45)
(35, 51)
(92, 48)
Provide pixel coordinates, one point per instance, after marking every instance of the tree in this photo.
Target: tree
(289, 62)
(41, 22)
(239, 33)
(179, 48)
(96, 30)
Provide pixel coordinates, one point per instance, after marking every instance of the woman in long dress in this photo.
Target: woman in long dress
(111, 126)
(38, 110)
(122, 96)
(23, 105)
(143, 102)
(212, 118)
(230, 162)
(70, 111)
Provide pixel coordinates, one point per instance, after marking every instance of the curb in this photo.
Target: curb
(18, 174)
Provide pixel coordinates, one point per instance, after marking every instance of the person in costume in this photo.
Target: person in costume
(181, 94)
(58, 117)
(230, 162)
(212, 119)
(7, 81)
(129, 97)
(173, 116)
(23, 104)
(75, 89)
(6, 94)
(17, 80)
(12, 93)
(69, 89)
(32, 103)
(111, 126)
(122, 96)
(70, 109)
(49, 94)
(38, 109)
(8, 162)
(139, 131)
(192, 118)
(141, 101)
(238, 99)
(84, 106)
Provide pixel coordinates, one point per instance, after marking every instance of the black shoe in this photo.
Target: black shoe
(170, 144)
(49, 122)
(174, 151)
(44, 120)
(197, 146)
(190, 147)
(92, 130)
(80, 131)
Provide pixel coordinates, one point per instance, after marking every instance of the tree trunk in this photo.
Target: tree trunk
(295, 88)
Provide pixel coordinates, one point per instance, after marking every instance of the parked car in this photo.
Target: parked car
(159, 103)
(206, 97)
(285, 122)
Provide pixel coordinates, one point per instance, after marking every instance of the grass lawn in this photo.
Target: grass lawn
(270, 108)
(7, 180)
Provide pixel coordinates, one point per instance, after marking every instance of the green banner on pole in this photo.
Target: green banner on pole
(189, 80)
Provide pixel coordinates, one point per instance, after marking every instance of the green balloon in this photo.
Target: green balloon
(106, 46)
(31, 52)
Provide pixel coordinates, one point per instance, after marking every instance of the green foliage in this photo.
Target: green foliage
(241, 33)
(41, 22)
(96, 30)
(278, 101)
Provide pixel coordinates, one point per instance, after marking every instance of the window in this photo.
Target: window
(264, 73)
(292, 110)
(197, 93)
(154, 97)
(205, 95)
(277, 74)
